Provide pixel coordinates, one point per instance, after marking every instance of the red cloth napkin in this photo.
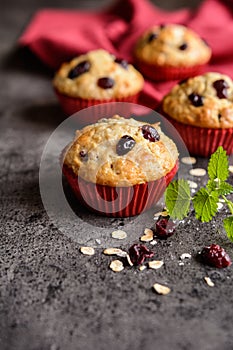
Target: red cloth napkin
(56, 36)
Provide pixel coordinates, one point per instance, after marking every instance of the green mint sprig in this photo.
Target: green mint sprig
(205, 202)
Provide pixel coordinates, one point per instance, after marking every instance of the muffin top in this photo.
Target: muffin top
(98, 75)
(205, 101)
(172, 45)
(121, 152)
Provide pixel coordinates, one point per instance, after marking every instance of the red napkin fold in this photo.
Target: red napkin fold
(56, 36)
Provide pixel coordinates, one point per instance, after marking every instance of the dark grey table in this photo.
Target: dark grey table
(51, 296)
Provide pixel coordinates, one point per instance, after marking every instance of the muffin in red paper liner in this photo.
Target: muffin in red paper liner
(120, 167)
(96, 78)
(171, 52)
(201, 109)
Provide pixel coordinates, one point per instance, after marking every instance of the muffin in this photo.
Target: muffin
(171, 51)
(120, 167)
(201, 109)
(95, 78)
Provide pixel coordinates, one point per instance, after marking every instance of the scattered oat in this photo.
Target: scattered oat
(161, 213)
(115, 251)
(129, 260)
(185, 256)
(231, 168)
(155, 264)
(160, 289)
(148, 235)
(116, 266)
(119, 234)
(98, 241)
(142, 267)
(181, 263)
(188, 160)
(192, 184)
(209, 281)
(154, 242)
(197, 172)
(87, 250)
(220, 205)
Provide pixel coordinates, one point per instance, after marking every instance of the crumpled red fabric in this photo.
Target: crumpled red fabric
(56, 35)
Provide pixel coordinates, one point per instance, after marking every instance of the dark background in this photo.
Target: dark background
(51, 296)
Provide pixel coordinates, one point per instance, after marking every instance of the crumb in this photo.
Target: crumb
(209, 281)
(188, 160)
(197, 172)
(155, 264)
(87, 250)
(119, 234)
(160, 289)
(116, 266)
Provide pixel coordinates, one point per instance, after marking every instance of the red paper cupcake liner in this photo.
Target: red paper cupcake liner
(71, 105)
(118, 201)
(203, 141)
(158, 73)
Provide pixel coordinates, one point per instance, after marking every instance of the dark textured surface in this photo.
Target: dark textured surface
(51, 296)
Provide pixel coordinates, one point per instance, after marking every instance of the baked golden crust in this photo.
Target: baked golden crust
(128, 81)
(99, 163)
(173, 45)
(216, 112)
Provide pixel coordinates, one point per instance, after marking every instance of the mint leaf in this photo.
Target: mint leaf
(177, 199)
(218, 165)
(222, 188)
(205, 204)
(228, 225)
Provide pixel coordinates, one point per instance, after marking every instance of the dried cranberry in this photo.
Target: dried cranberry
(196, 99)
(164, 227)
(83, 156)
(138, 253)
(215, 256)
(162, 26)
(106, 83)
(221, 87)
(150, 133)
(152, 37)
(122, 62)
(81, 68)
(183, 46)
(124, 145)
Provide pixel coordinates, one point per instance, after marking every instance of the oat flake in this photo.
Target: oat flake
(87, 250)
(161, 213)
(231, 168)
(160, 289)
(188, 160)
(209, 281)
(115, 251)
(116, 266)
(155, 264)
(119, 234)
(197, 172)
(192, 184)
(148, 235)
(129, 260)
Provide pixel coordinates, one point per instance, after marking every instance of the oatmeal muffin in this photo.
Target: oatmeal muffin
(171, 51)
(201, 109)
(120, 166)
(95, 78)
